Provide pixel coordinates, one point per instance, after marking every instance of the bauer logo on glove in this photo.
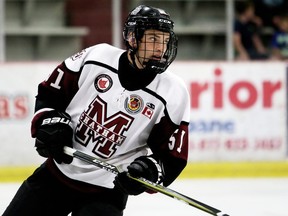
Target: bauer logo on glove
(54, 120)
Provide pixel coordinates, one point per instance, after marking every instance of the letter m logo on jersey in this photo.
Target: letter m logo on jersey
(105, 132)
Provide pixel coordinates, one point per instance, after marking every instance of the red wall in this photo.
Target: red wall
(96, 15)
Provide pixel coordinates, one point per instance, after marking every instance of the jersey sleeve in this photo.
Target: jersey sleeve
(169, 138)
(58, 90)
(55, 93)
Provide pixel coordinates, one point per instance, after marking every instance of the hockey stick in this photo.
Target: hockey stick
(149, 184)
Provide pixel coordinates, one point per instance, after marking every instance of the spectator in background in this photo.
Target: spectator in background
(269, 11)
(247, 41)
(280, 39)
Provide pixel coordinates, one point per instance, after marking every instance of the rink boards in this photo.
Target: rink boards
(238, 123)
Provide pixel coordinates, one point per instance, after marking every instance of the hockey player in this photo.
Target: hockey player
(121, 106)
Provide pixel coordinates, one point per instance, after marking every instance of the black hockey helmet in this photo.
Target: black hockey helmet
(143, 18)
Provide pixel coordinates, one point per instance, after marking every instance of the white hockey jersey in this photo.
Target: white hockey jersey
(113, 123)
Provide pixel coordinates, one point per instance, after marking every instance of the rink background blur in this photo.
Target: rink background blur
(238, 128)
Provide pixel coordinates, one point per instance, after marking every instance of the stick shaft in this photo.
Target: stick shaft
(149, 184)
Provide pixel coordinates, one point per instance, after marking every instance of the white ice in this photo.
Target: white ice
(236, 197)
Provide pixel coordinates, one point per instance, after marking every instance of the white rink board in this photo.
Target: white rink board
(238, 110)
(257, 132)
(18, 88)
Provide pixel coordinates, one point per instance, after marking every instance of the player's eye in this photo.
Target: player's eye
(166, 41)
(152, 39)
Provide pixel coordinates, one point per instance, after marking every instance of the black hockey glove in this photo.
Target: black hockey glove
(53, 134)
(146, 167)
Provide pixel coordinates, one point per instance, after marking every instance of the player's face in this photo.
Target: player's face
(283, 24)
(152, 46)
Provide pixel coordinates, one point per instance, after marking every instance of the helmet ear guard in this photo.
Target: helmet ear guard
(143, 18)
(131, 40)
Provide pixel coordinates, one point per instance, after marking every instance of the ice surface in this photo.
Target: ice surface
(237, 197)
